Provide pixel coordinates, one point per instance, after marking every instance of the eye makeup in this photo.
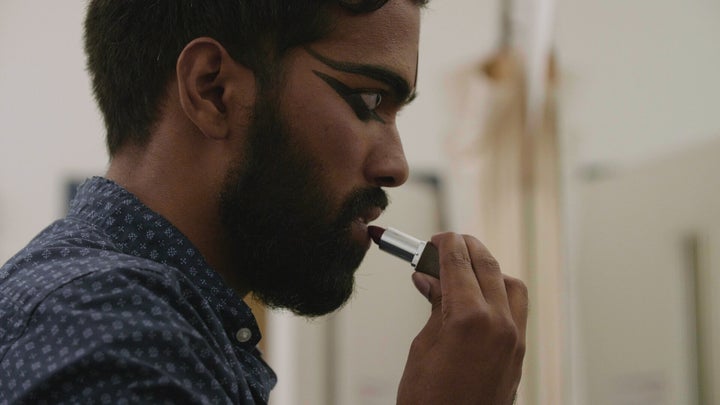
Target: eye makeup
(400, 90)
(357, 99)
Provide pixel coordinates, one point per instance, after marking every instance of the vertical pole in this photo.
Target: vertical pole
(695, 315)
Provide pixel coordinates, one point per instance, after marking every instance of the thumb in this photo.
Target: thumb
(429, 287)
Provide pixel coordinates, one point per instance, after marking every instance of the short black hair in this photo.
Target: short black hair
(132, 47)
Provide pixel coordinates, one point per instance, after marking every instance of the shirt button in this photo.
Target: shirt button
(243, 335)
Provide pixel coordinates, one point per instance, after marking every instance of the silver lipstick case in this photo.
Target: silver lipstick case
(423, 256)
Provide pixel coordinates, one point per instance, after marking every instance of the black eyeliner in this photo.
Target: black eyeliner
(399, 86)
(351, 96)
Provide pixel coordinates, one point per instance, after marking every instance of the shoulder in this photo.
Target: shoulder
(70, 270)
(124, 330)
(76, 312)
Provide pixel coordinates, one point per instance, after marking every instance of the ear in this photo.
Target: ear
(213, 88)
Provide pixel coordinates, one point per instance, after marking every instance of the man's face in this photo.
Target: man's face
(297, 208)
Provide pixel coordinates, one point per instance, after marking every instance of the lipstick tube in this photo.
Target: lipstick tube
(422, 255)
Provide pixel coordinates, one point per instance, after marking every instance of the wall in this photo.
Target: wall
(454, 36)
(634, 279)
(639, 78)
(639, 81)
(49, 128)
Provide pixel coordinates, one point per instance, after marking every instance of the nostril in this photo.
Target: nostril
(386, 181)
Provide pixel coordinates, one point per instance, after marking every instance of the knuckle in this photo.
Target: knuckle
(487, 262)
(471, 321)
(500, 331)
(494, 289)
(481, 256)
(455, 259)
(504, 335)
(509, 334)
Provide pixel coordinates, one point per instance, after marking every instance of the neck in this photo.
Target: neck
(179, 184)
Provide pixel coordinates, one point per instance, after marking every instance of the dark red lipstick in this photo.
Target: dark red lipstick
(423, 256)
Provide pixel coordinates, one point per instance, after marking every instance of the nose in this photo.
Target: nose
(386, 165)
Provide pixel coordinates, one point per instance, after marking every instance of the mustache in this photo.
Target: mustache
(361, 201)
(356, 205)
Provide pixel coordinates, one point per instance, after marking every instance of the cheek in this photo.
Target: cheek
(331, 134)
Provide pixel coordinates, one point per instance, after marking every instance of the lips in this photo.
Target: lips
(370, 215)
(364, 206)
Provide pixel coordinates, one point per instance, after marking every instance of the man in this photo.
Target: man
(249, 144)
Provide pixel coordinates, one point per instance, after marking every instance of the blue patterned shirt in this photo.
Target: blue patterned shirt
(112, 304)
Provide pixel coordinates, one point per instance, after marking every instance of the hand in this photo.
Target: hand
(471, 349)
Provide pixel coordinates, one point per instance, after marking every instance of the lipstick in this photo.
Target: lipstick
(423, 256)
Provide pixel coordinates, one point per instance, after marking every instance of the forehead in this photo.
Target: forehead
(387, 37)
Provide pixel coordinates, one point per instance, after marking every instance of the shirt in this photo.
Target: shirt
(112, 304)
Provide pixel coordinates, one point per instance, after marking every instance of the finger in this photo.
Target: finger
(489, 275)
(518, 298)
(458, 282)
(430, 288)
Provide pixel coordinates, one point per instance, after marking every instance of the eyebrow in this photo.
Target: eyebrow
(399, 86)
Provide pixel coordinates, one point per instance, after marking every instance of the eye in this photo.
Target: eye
(371, 100)
(362, 101)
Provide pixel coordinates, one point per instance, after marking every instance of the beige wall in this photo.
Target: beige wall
(638, 97)
(634, 278)
(49, 128)
(639, 78)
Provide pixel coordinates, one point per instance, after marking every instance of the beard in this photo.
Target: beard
(294, 248)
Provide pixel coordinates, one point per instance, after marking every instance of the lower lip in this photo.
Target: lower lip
(359, 230)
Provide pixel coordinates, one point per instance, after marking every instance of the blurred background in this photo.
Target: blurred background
(580, 140)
